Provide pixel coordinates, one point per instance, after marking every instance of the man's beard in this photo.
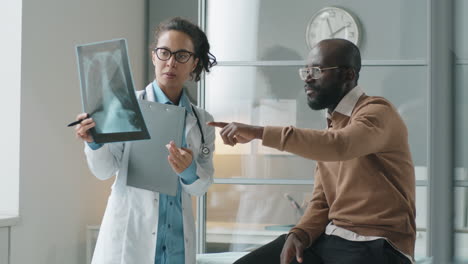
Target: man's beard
(318, 103)
(325, 98)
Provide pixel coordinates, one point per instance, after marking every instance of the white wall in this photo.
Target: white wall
(10, 69)
(58, 195)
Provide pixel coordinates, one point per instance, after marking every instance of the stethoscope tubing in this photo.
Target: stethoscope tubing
(204, 149)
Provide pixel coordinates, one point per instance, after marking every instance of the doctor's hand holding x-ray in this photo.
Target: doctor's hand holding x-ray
(82, 129)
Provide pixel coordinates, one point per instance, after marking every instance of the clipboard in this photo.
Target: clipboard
(148, 167)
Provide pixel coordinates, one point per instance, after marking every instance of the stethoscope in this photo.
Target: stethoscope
(204, 149)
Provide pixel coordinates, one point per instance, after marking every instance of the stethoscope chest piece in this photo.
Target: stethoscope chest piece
(205, 150)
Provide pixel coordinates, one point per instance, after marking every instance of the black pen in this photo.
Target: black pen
(77, 121)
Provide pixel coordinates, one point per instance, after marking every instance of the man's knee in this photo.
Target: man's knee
(268, 253)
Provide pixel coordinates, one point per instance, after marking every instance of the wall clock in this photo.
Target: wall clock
(333, 22)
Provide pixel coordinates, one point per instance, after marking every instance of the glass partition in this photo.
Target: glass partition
(277, 99)
(420, 250)
(244, 217)
(260, 45)
(246, 30)
(461, 224)
(461, 131)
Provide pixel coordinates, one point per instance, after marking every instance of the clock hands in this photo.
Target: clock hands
(338, 31)
(333, 33)
(329, 26)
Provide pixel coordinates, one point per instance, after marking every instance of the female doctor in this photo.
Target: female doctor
(141, 226)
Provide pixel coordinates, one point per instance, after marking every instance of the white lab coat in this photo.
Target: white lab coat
(129, 228)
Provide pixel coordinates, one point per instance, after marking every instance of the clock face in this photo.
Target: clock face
(332, 22)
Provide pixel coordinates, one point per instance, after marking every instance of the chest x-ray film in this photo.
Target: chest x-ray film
(107, 92)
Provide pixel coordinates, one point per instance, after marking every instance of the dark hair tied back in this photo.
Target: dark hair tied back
(206, 60)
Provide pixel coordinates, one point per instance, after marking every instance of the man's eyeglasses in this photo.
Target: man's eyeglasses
(314, 72)
(181, 56)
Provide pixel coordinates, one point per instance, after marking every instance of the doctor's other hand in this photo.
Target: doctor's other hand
(293, 247)
(82, 129)
(179, 158)
(233, 133)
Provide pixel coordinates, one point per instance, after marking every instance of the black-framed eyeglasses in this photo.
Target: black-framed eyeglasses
(181, 56)
(314, 72)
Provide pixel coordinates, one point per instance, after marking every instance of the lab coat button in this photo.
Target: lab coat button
(154, 233)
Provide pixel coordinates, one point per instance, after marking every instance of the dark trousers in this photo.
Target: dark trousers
(330, 250)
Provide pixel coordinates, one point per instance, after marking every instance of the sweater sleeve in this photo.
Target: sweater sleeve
(369, 131)
(315, 219)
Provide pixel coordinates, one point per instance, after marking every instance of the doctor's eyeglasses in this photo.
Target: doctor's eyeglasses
(314, 72)
(181, 56)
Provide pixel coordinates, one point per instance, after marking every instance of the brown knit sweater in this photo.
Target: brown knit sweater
(364, 181)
